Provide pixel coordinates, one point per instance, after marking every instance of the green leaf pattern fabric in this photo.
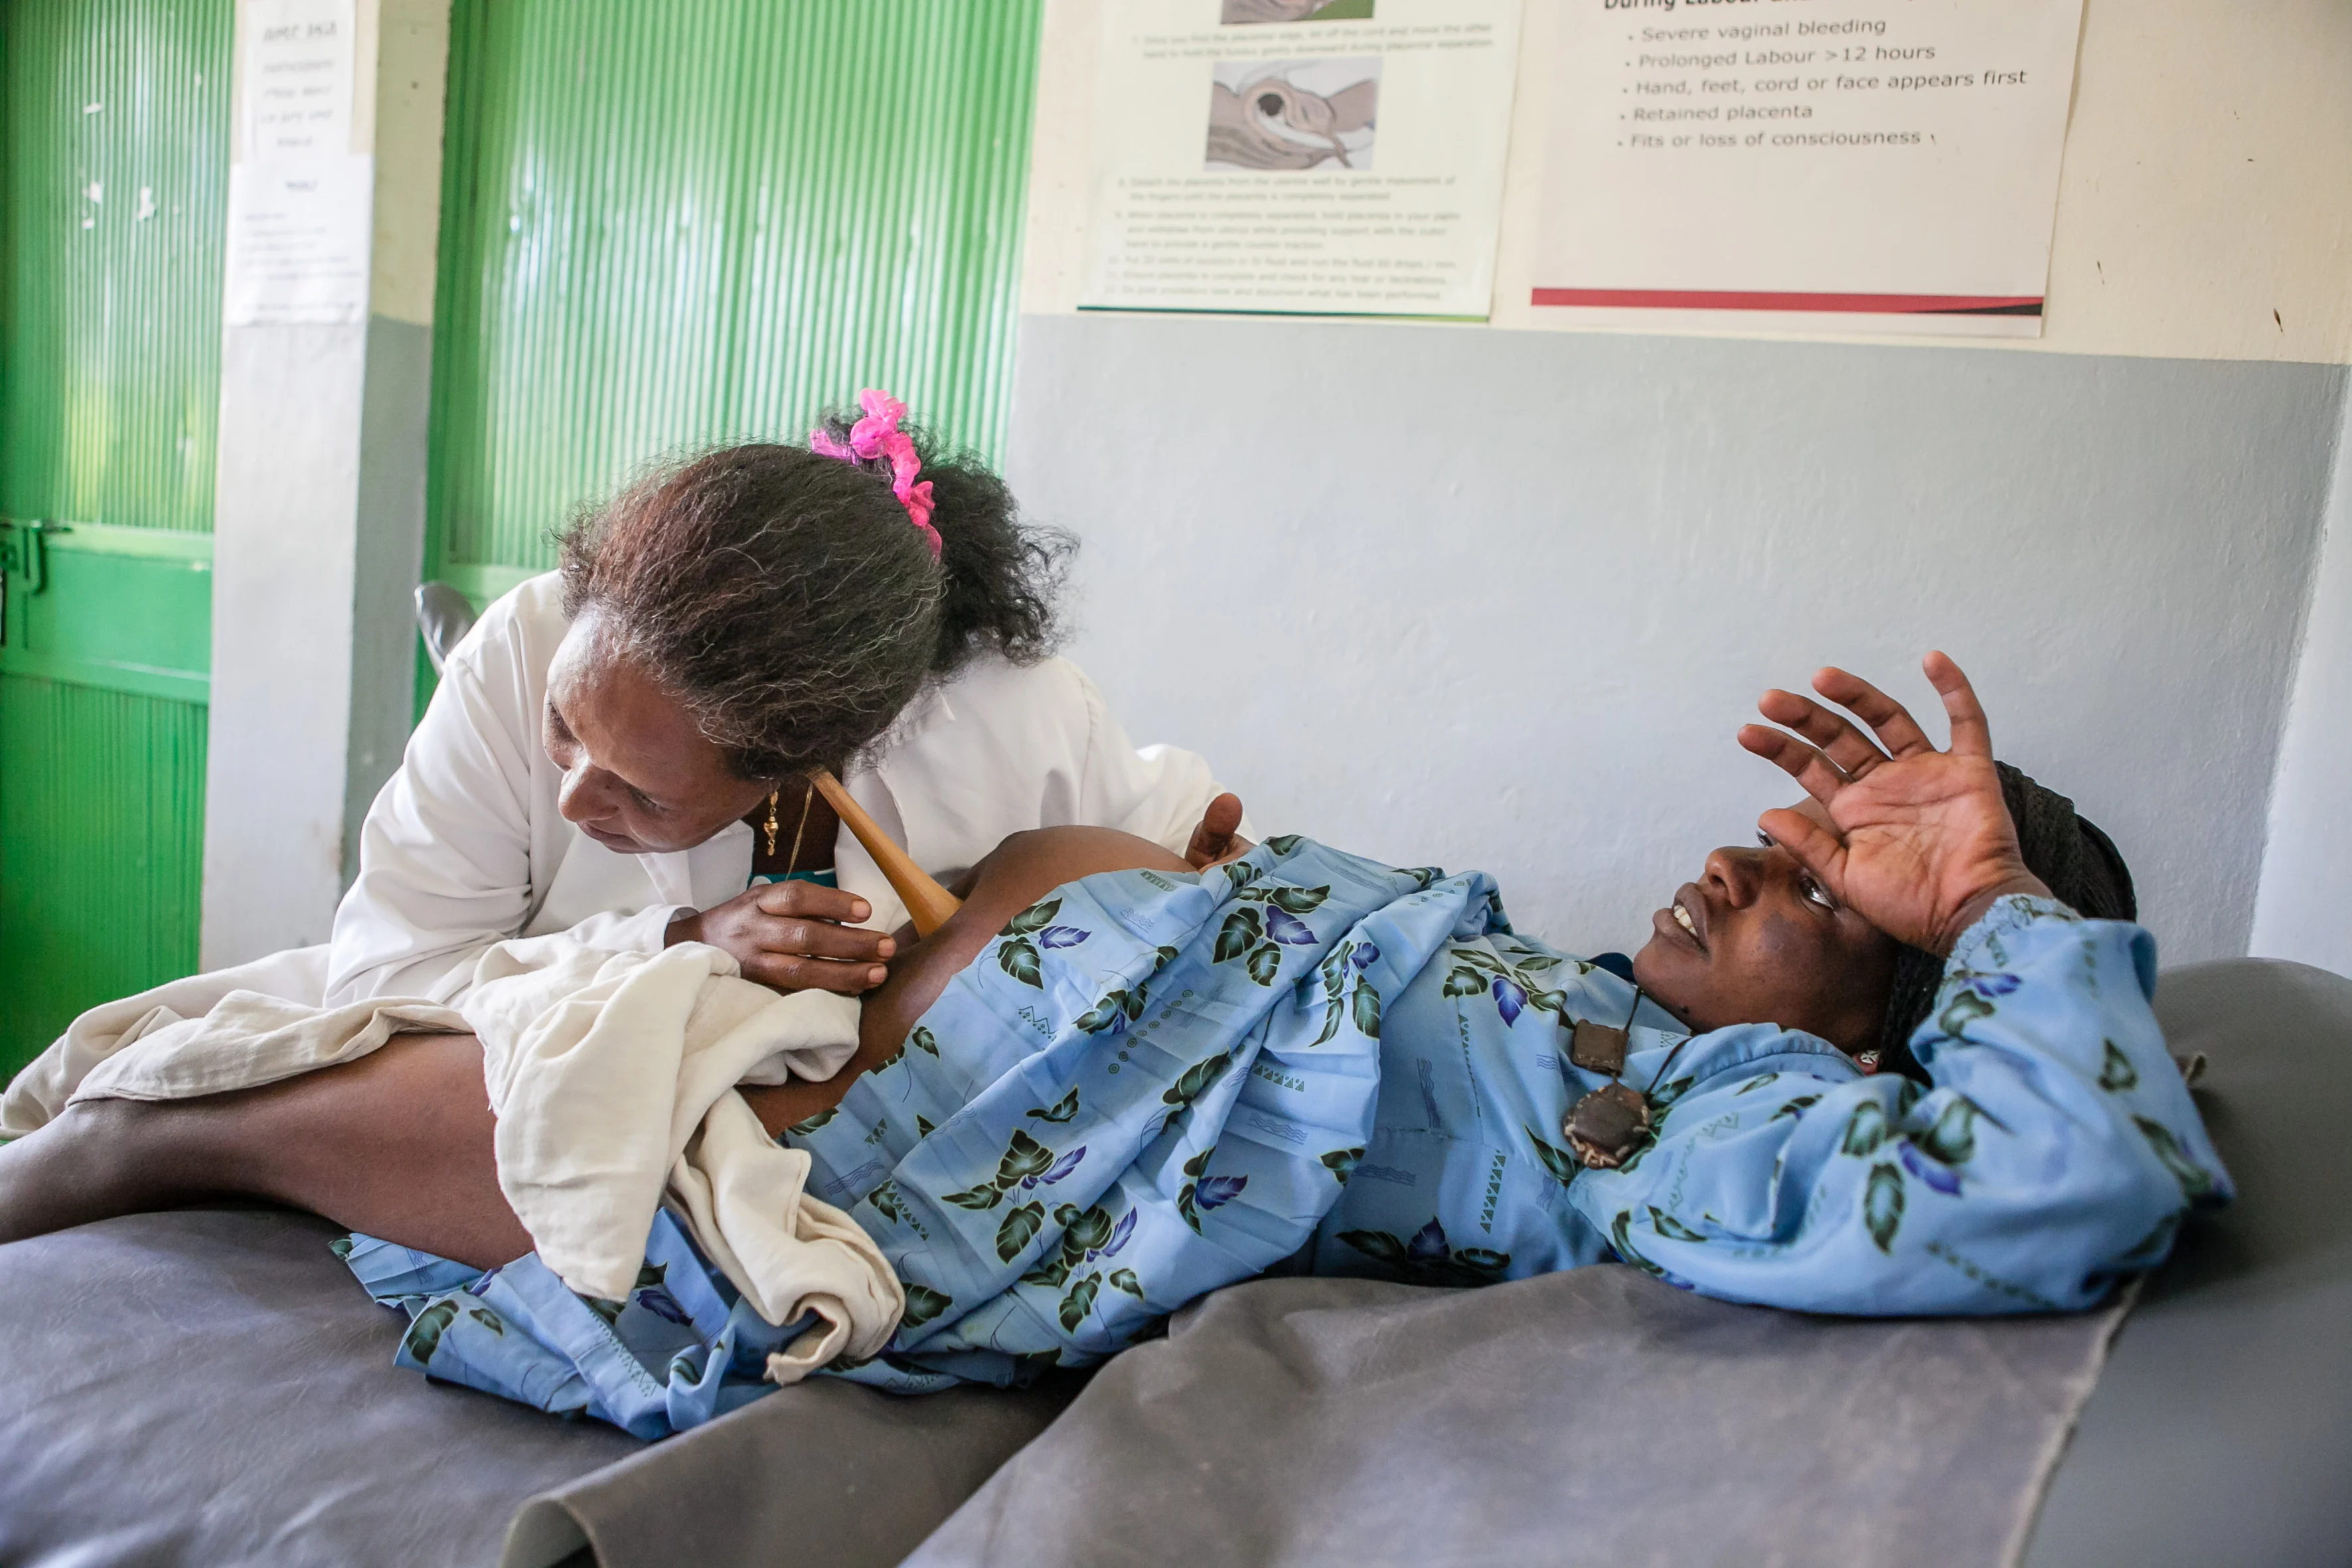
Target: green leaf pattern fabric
(1154, 1085)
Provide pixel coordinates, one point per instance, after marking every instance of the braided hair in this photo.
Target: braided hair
(2078, 863)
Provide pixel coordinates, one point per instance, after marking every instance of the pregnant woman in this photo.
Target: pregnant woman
(1898, 1058)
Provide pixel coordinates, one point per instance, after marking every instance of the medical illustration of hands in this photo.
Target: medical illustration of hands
(1917, 842)
(794, 936)
(1218, 838)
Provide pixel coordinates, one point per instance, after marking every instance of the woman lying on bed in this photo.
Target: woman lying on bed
(1894, 1059)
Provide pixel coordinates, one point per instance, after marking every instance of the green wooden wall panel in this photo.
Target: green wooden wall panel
(666, 226)
(114, 121)
(126, 608)
(101, 851)
(113, 206)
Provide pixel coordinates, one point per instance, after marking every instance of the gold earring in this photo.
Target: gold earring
(771, 825)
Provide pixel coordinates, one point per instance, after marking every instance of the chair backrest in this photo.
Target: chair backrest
(443, 616)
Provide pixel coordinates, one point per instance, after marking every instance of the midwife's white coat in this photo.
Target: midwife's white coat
(465, 846)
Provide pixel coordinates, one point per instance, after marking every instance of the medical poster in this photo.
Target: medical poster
(1864, 165)
(1318, 156)
(301, 203)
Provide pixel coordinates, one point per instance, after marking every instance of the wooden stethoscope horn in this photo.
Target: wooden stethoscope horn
(929, 905)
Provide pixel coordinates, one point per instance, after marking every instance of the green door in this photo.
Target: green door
(666, 225)
(662, 225)
(114, 197)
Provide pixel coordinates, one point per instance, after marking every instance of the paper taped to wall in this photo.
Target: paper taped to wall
(1312, 156)
(298, 241)
(301, 203)
(1857, 166)
(298, 81)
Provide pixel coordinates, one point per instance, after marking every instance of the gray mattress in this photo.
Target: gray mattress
(198, 1387)
(209, 1387)
(1595, 1417)
(2221, 1432)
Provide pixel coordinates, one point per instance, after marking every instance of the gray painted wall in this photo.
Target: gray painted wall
(1477, 598)
(389, 539)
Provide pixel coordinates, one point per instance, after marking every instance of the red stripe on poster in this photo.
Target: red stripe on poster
(1732, 300)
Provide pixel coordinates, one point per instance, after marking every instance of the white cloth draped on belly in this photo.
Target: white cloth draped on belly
(613, 1077)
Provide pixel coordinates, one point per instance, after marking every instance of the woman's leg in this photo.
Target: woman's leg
(398, 1144)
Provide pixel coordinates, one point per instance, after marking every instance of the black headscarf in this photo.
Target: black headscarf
(2079, 864)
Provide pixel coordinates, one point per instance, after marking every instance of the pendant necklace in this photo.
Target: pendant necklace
(1609, 1124)
(793, 860)
(771, 825)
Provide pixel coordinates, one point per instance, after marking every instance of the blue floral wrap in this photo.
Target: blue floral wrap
(1150, 1085)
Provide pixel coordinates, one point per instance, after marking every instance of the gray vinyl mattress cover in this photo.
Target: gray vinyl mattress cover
(209, 1387)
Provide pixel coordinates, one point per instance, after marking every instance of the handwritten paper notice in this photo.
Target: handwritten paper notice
(1317, 157)
(297, 80)
(1870, 165)
(301, 203)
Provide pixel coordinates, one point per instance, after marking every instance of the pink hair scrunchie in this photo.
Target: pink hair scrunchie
(878, 436)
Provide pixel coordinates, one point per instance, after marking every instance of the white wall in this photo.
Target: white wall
(2306, 906)
(318, 511)
(1499, 597)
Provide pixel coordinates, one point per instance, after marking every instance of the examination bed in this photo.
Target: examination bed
(210, 1387)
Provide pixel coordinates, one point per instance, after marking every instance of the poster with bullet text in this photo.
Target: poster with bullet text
(1854, 165)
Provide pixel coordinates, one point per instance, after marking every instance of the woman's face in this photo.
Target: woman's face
(1756, 941)
(638, 777)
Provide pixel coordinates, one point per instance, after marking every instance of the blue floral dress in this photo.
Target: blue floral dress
(1149, 1086)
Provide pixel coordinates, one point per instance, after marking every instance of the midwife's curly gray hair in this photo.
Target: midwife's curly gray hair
(788, 604)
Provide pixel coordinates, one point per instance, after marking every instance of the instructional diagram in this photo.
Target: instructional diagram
(1345, 158)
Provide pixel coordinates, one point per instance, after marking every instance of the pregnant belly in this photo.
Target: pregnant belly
(1016, 874)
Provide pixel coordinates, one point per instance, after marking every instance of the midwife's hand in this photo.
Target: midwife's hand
(1218, 838)
(1919, 843)
(791, 936)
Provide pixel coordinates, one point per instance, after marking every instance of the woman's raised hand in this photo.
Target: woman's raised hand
(794, 936)
(1915, 840)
